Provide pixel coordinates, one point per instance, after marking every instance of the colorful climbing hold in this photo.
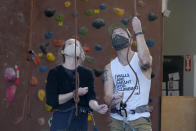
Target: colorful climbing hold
(10, 93)
(42, 68)
(67, 4)
(96, 11)
(118, 11)
(58, 43)
(85, 0)
(59, 19)
(50, 57)
(152, 16)
(89, 59)
(103, 6)
(60, 23)
(41, 94)
(48, 107)
(10, 74)
(75, 14)
(34, 81)
(98, 23)
(125, 21)
(150, 43)
(86, 49)
(49, 12)
(43, 47)
(89, 12)
(98, 47)
(83, 30)
(49, 35)
(40, 54)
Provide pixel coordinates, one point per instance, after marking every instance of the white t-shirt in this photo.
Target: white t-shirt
(124, 81)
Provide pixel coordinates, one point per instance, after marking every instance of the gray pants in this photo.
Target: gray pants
(141, 124)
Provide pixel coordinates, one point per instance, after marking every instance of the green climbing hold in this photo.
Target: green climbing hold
(59, 17)
(89, 12)
(89, 59)
(83, 30)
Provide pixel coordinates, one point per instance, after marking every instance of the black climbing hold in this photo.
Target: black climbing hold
(49, 12)
(98, 23)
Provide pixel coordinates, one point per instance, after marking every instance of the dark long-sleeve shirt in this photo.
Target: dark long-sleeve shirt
(61, 81)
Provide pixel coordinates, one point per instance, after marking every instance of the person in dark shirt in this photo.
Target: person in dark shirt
(60, 90)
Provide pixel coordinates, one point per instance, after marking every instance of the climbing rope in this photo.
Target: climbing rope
(76, 97)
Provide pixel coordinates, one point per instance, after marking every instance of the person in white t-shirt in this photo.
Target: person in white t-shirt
(120, 81)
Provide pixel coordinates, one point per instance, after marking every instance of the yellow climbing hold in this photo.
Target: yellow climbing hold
(134, 44)
(60, 23)
(50, 57)
(67, 4)
(85, 0)
(96, 11)
(41, 94)
(40, 54)
(89, 117)
(48, 107)
(118, 11)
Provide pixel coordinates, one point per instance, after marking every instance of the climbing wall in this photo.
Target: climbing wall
(31, 34)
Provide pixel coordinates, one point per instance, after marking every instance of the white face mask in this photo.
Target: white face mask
(70, 48)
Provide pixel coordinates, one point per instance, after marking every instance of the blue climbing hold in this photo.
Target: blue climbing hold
(75, 14)
(152, 16)
(98, 47)
(42, 68)
(150, 43)
(103, 6)
(95, 128)
(150, 100)
(125, 21)
(49, 35)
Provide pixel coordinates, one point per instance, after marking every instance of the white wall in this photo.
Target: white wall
(180, 35)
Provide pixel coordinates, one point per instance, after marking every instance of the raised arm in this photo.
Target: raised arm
(145, 59)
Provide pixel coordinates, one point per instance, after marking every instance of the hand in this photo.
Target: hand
(117, 98)
(82, 91)
(136, 24)
(102, 109)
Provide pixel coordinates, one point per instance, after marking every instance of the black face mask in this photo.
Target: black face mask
(119, 42)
